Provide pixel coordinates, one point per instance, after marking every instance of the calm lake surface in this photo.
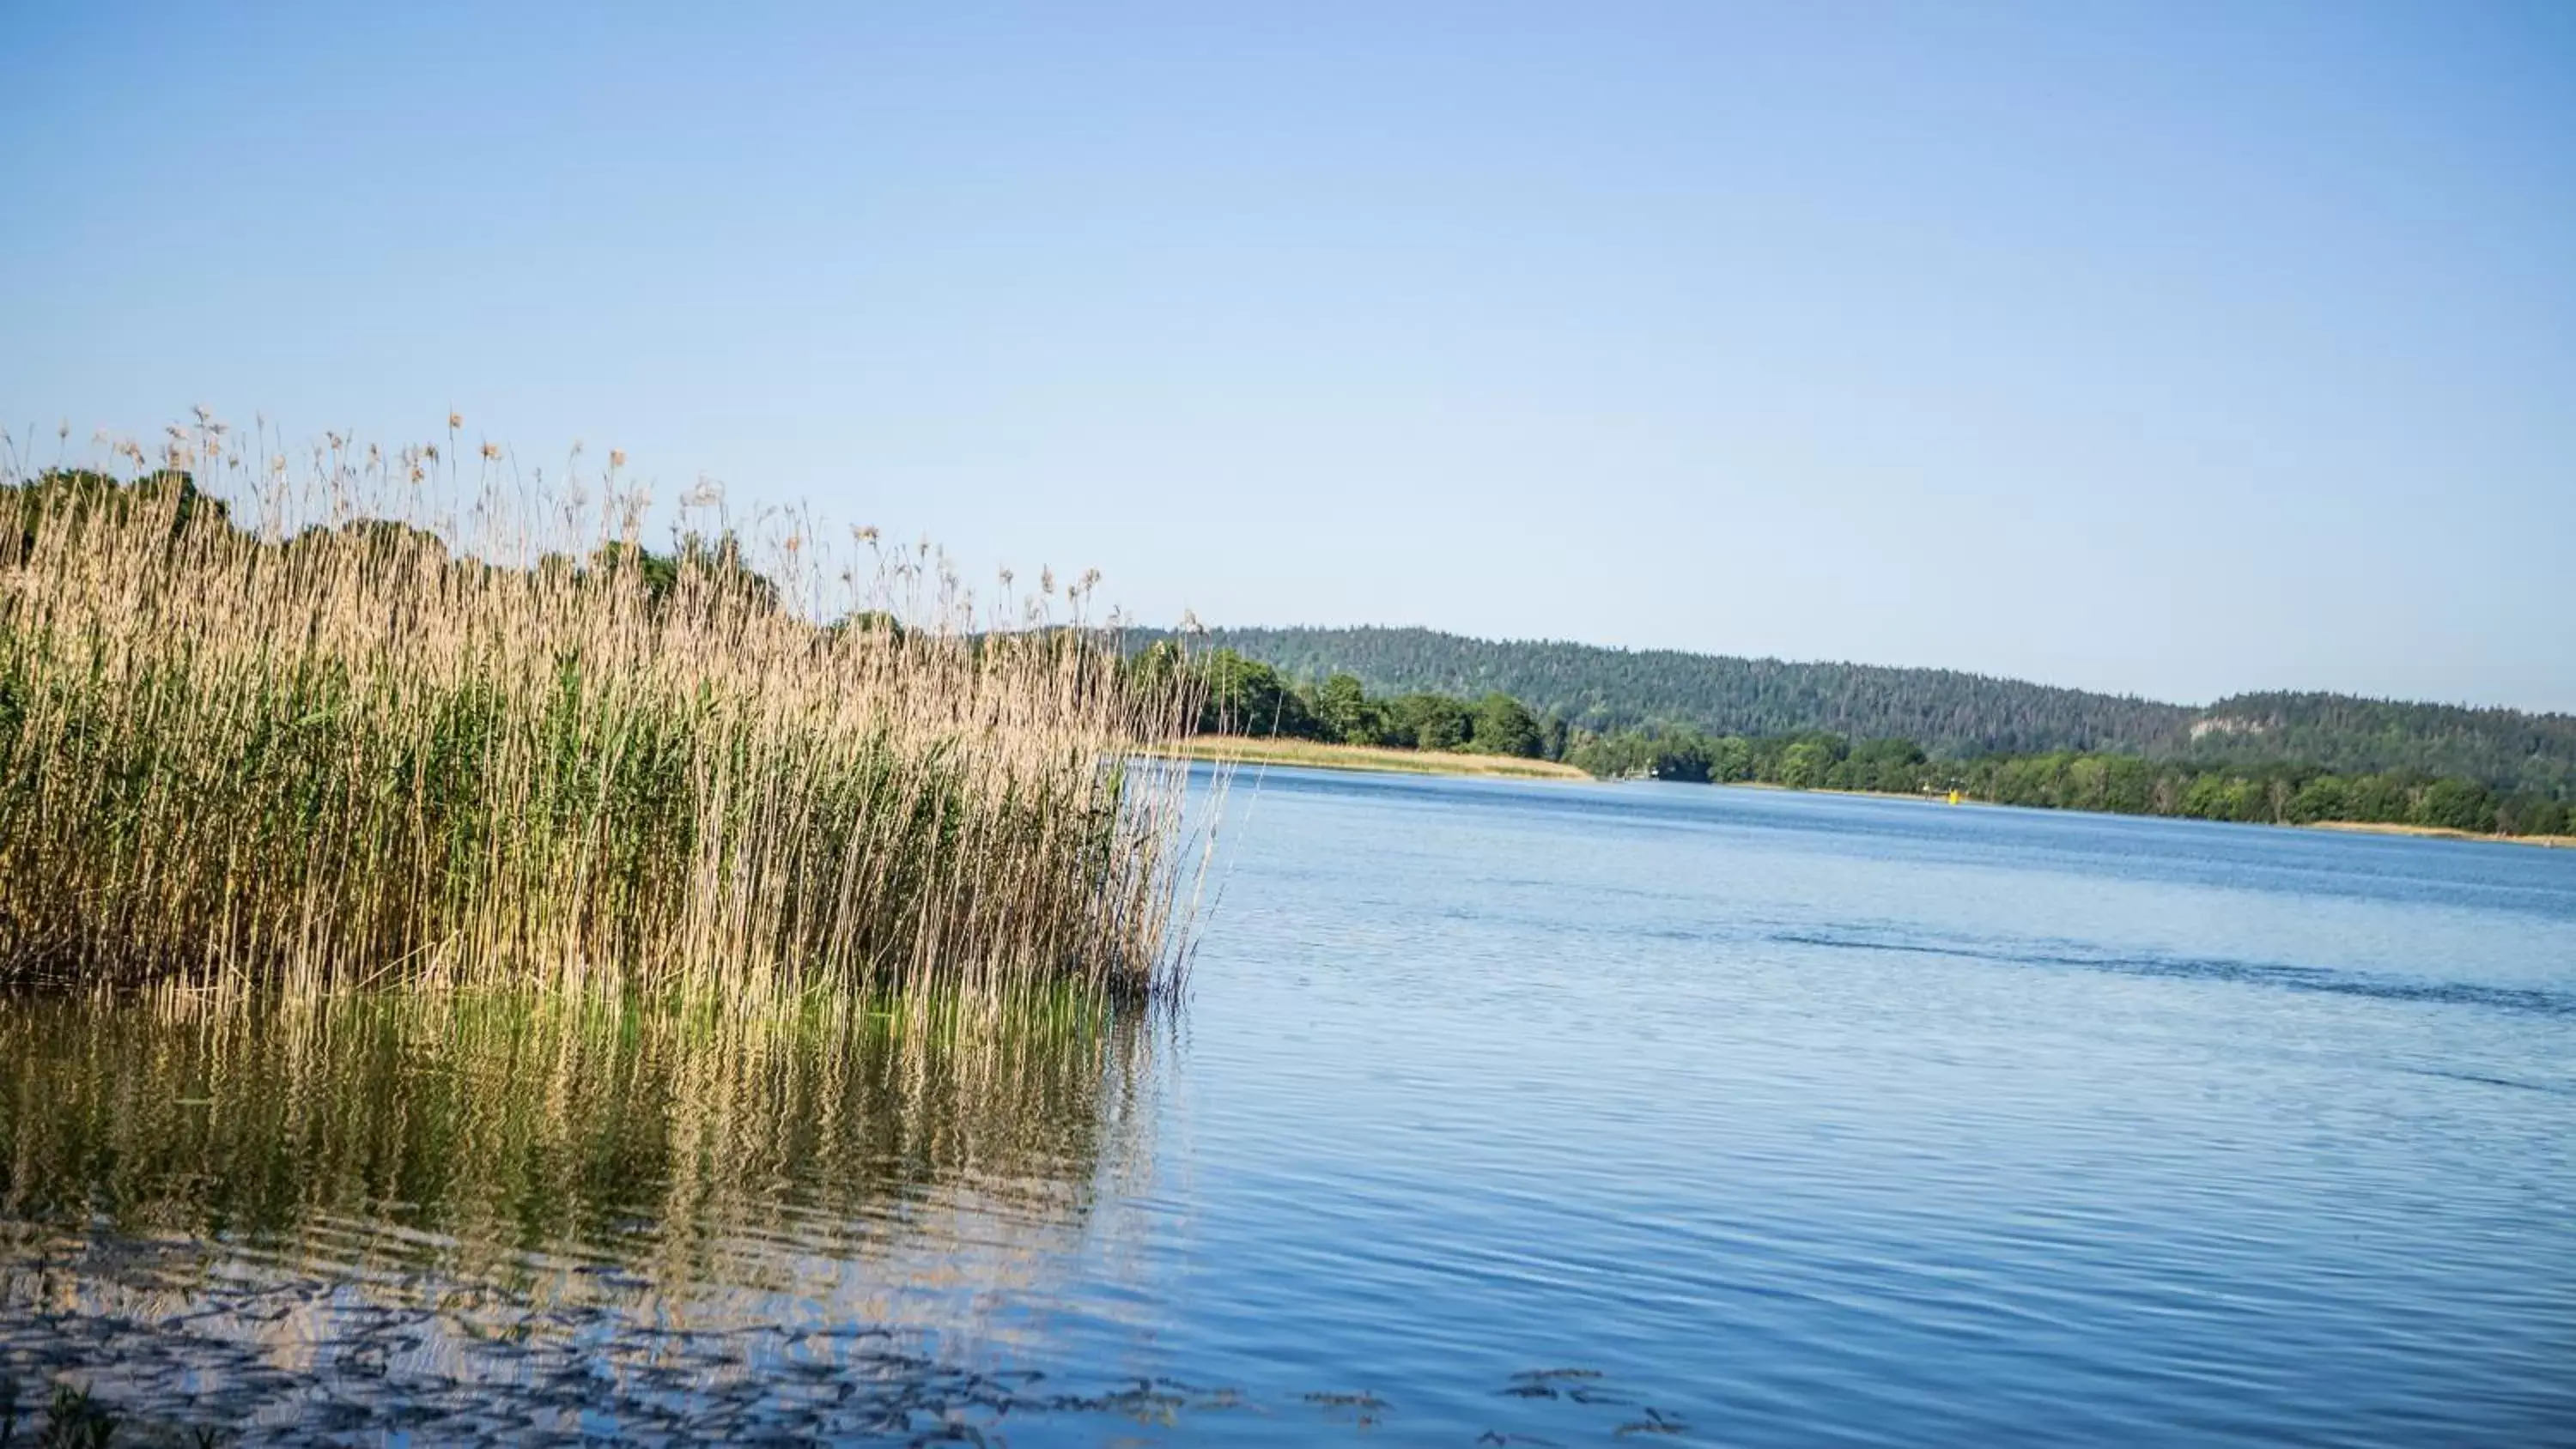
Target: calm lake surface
(1580, 1113)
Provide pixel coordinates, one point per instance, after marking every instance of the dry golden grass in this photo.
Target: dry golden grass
(2439, 832)
(323, 750)
(1314, 754)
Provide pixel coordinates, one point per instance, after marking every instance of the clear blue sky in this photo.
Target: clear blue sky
(2180, 349)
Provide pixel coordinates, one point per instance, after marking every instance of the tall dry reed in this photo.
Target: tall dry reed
(354, 717)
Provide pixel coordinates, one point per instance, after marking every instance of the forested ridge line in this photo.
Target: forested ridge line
(1951, 714)
(1241, 696)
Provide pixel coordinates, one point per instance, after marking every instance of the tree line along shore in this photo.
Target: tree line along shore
(1953, 714)
(1252, 700)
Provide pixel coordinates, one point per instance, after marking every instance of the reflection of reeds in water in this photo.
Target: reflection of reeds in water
(442, 1219)
(491, 1128)
(316, 748)
(465, 1182)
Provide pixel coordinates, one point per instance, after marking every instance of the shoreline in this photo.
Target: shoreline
(2355, 827)
(1367, 759)
(2439, 832)
(1385, 760)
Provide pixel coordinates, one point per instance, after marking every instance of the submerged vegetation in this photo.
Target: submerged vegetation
(382, 717)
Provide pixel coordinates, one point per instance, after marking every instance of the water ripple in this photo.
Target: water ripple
(2285, 976)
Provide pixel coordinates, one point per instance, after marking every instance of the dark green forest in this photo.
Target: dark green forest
(1251, 697)
(1242, 696)
(1613, 689)
(1952, 715)
(2505, 748)
(2120, 784)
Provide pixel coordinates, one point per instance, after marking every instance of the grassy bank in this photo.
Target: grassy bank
(321, 749)
(1313, 754)
(2436, 832)
(2363, 827)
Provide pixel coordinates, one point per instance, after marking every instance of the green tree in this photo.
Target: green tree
(1680, 755)
(2216, 795)
(1893, 765)
(2128, 784)
(1730, 760)
(1342, 710)
(1429, 721)
(66, 492)
(2379, 798)
(2327, 797)
(1246, 697)
(1953, 716)
(2455, 805)
(2529, 814)
(1804, 765)
(1502, 727)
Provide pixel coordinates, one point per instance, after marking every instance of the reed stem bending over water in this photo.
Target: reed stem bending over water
(357, 751)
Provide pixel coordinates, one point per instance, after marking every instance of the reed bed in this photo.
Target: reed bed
(346, 717)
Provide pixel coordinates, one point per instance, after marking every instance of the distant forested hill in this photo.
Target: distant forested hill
(2503, 747)
(1607, 689)
(1944, 710)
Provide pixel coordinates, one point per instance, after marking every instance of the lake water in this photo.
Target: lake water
(1524, 1112)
